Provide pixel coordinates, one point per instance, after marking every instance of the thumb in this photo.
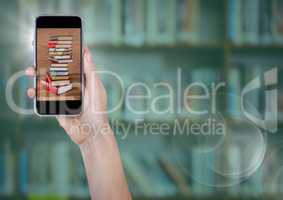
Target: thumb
(89, 67)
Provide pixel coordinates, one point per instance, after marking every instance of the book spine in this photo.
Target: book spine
(250, 10)
(58, 42)
(53, 65)
(196, 21)
(59, 73)
(55, 61)
(239, 12)
(138, 174)
(59, 46)
(60, 83)
(58, 69)
(255, 22)
(10, 166)
(54, 78)
(152, 37)
(234, 165)
(55, 38)
(88, 12)
(234, 19)
(39, 179)
(234, 87)
(48, 78)
(59, 50)
(203, 176)
(256, 183)
(172, 22)
(278, 20)
(134, 22)
(2, 170)
(116, 22)
(62, 57)
(175, 174)
(231, 20)
(159, 177)
(60, 53)
(166, 21)
(64, 89)
(24, 172)
(274, 21)
(102, 21)
(61, 168)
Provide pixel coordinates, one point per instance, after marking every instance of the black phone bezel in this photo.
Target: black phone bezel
(69, 107)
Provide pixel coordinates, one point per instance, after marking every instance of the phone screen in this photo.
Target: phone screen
(58, 65)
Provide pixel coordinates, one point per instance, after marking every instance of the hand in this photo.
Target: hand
(94, 116)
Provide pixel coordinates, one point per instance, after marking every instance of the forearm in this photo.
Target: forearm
(104, 168)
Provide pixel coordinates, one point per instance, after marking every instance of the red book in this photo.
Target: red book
(59, 45)
(49, 88)
(48, 78)
(59, 42)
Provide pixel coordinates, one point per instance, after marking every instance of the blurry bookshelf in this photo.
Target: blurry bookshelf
(147, 41)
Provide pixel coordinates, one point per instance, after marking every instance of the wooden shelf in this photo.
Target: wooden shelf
(157, 46)
(276, 50)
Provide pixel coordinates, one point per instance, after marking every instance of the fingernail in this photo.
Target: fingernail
(89, 57)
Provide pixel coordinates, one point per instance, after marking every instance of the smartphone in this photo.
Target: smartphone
(58, 61)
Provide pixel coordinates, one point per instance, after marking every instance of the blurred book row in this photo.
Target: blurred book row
(255, 21)
(137, 22)
(43, 169)
(56, 169)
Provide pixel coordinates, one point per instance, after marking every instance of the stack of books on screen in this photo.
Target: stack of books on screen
(57, 80)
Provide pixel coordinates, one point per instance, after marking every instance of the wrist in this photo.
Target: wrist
(99, 135)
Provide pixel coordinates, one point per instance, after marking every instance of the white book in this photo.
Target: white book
(62, 57)
(60, 61)
(60, 83)
(59, 49)
(61, 46)
(64, 89)
(59, 73)
(59, 65)
(65, 61)
(58, 69)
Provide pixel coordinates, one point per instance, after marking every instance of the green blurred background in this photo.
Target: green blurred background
(230, 41)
